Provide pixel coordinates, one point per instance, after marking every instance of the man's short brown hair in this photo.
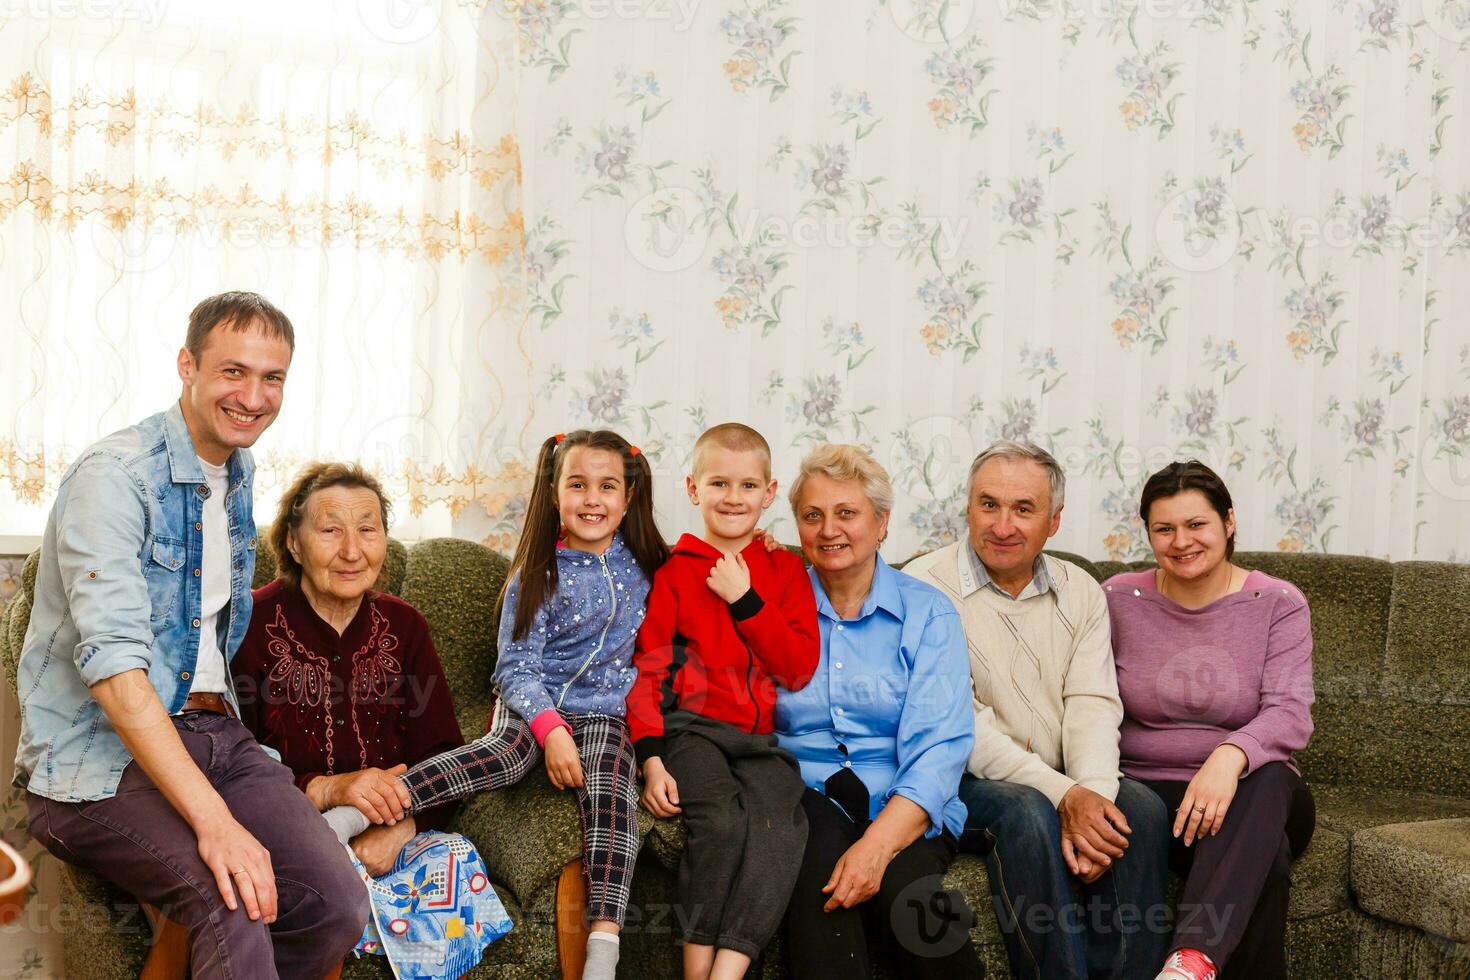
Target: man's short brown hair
(735, 437)
(236, 311)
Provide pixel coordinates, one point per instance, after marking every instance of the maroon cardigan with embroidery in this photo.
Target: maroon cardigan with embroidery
(374, 696)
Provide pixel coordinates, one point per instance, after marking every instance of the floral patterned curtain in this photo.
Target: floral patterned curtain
(1130, 231)
(356, 163)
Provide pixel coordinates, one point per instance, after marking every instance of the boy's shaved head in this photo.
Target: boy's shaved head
(732, 436)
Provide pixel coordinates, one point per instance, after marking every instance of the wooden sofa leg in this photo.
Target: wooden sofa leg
(168, 959)
(571, 921)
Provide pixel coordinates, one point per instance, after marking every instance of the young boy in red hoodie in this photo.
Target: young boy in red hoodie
(727, 622)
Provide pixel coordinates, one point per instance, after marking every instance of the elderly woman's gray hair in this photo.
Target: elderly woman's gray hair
(1010, 449)
(843, 462)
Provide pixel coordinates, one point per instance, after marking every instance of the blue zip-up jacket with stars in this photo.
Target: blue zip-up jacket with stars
(577, 658)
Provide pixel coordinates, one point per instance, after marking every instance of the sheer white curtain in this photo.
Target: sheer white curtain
(356, 163)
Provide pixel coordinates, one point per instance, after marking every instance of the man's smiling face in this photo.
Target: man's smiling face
(233, 390)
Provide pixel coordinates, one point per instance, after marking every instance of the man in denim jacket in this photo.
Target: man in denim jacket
(135, 763)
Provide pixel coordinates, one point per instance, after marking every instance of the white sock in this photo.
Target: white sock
(346, 822)
(602, 956)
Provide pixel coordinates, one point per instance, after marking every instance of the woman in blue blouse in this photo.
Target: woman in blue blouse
(882, 734)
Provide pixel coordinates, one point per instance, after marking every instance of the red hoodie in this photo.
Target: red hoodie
(697, 654)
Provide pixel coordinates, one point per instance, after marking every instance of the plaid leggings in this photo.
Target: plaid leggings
(608, 800)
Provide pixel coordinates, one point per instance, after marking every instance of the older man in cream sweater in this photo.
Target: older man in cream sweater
(1044, 791)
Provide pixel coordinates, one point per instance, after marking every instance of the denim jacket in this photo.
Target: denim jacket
(118, 589)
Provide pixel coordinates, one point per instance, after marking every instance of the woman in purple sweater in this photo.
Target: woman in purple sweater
(1215, 671)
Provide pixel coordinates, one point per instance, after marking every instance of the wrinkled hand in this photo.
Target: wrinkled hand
(378, 793)
(378, 847)
(226, 847)
(563, 764)
(768, 539)
(857, 875)
(660, 791)
(1092, 829)
(730, 578)
(1209, 793)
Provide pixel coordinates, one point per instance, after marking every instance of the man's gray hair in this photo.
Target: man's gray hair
(1010, 449)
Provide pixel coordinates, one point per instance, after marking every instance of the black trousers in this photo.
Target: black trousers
(1237, 883)
(741, 797)
(922, 928)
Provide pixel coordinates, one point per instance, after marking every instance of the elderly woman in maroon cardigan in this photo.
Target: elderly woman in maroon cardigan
(341, 680)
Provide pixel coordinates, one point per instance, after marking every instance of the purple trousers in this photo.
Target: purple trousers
(138, 841)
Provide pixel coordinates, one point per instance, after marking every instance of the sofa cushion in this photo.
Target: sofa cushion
(1347, 810)
(1416, 874)
(527, 833)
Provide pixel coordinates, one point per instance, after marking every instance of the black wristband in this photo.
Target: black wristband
(747, 605)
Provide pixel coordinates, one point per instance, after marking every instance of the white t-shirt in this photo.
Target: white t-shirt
(209, 670)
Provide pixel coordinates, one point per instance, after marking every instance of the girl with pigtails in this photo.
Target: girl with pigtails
(572, 604)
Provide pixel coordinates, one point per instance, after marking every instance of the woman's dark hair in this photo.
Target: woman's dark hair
(1191, 474)
(316, 476)
(535, 557)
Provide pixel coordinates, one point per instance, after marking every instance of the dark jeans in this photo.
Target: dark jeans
(741, 797)
(1120, 928)
(924, 929)
(138, 841)
(1237, 883)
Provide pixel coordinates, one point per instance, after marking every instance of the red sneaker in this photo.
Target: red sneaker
(1187, 964)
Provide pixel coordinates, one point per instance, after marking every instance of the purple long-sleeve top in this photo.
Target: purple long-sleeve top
(1237, 671)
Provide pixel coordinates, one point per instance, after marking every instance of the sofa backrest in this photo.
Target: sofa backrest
(1391, 651)
(1391, 666)
(455, 584)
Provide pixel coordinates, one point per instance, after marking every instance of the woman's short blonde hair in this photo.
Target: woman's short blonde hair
(292, 510)
(843, 463)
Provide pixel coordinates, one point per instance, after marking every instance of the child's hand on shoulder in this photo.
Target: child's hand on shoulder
(563, 764)
(730, 578)
(660, 792)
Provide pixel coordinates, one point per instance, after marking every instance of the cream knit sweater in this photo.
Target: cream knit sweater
(1046, 693)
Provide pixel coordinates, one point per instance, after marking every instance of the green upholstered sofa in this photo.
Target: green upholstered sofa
(1383, 891)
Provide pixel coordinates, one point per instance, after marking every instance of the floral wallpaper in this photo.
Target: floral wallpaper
(1130, 232)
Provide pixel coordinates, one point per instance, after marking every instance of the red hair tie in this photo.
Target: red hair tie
(633, 450)
(560, 436)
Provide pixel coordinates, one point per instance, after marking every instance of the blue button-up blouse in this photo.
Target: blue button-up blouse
(892, 688)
